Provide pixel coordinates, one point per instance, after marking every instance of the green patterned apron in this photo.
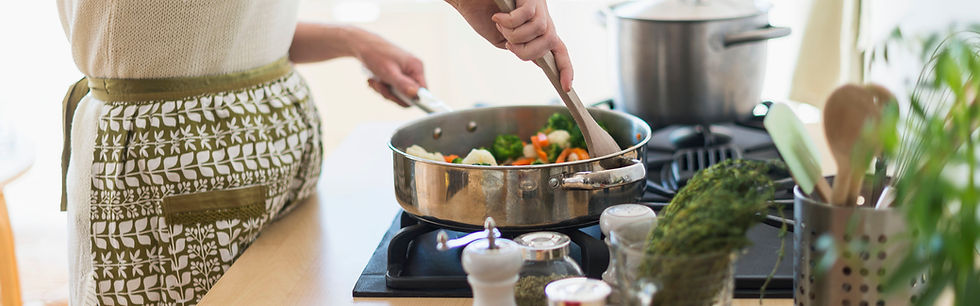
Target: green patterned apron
(188, 171)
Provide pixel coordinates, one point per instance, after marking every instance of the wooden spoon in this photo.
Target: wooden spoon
(845, 114)
(599, 141)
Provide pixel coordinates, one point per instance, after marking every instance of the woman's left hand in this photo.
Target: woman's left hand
(389, 64)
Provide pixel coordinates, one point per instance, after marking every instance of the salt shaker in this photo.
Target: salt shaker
(491, 266)
(577, 291)
(616, 216)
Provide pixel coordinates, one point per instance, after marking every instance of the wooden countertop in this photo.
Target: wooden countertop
(314, 255)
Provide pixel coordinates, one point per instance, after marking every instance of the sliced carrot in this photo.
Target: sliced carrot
(450, 158)
(536, 142)
(543, 139)
(563, 155)
(581, 153)
(523, 161)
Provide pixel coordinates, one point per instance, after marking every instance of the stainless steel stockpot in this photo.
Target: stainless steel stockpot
(689, 62)
(535, 196)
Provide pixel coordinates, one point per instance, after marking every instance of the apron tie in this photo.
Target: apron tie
(69, 104)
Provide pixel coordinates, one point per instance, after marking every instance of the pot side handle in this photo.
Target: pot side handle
(588, 180)
(765, 33)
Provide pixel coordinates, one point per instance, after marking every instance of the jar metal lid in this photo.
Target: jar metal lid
(544, 245)
(577, 291)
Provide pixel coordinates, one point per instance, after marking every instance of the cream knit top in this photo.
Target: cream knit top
(176, 38)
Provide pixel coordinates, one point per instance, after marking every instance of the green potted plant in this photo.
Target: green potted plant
(933, 149)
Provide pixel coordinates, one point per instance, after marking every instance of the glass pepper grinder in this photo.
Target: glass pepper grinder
(611, 218)
(545, 260)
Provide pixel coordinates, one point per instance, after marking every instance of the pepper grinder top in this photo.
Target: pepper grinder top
(492, 260)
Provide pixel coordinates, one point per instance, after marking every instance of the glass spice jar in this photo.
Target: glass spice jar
(545, 260)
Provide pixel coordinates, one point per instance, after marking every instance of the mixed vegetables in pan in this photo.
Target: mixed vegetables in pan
(560, 140)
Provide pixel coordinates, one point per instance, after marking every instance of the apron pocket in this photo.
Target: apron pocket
(210, 207)
(207, 233)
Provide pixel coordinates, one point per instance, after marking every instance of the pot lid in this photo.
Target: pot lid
(688, 10)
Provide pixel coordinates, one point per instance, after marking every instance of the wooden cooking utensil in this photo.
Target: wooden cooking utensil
(797, 149)
(599, 141)
(845, 114)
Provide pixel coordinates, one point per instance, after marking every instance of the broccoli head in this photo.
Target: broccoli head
(577, 140)
(507, 146)
(552, 151)
(559, 121)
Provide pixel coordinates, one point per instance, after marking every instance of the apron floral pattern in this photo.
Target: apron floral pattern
(180, 188)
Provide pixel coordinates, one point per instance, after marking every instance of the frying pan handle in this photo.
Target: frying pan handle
(764, 33)
(632, 172)
(425, 101)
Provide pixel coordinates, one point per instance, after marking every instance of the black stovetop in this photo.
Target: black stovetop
(406, 263)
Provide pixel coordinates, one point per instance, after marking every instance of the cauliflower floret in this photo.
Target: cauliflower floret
(559, 138)
(418, 151)
(478, 156)
(572, 157)
(529, 151)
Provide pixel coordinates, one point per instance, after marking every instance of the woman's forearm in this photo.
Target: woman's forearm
(314, 42)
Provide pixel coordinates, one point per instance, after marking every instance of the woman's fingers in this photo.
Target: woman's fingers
(531, 50)
(564, 64)
(525, 32)
(517, 17)
(416, 71)
(385, 92)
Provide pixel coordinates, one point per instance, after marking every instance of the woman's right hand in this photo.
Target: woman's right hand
(527, 31)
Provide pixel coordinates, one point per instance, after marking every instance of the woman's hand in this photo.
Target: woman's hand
(527, 31)
(389, 64)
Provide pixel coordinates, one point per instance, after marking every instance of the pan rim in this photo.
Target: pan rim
(645, 126)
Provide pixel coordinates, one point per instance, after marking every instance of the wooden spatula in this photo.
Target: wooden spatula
(847, 110)
(599, 141)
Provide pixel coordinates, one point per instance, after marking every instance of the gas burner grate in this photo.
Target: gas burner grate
(686, 162)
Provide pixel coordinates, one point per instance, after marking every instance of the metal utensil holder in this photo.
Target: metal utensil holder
(857, 275)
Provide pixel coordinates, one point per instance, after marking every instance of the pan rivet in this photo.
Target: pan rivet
(553, 182)
(471, 126)
(436, 133)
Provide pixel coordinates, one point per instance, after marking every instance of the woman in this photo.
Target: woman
(192, 132)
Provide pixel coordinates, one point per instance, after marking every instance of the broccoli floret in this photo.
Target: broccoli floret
(507, 146)
(552, 151)
(457, 160)
(559, 121)
(577, 140)
(537, 162)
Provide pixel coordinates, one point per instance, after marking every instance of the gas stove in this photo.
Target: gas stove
(407, 264)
